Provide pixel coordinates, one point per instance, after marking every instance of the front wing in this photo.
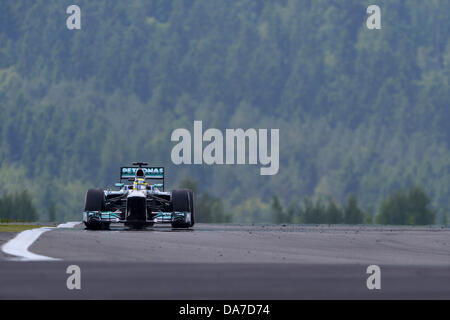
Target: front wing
(157, 217)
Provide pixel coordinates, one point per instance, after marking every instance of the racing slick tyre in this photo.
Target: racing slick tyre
(181, 202)
(95, 201)
(191, 204)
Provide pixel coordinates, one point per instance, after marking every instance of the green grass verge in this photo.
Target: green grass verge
(17, 227)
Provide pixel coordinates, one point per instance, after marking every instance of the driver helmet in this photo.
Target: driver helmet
(140, 184)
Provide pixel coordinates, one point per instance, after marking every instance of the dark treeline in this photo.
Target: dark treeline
(17, 207)
(319, 211)
(207, 207)
(404, 207)
(360, 111)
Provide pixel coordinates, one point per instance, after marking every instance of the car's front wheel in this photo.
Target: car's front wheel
(182, 201)
(95, 201)
(191, 203)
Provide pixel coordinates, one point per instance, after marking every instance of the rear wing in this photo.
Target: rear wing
(151, 173)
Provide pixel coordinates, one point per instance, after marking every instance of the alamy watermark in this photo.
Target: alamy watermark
(74, 280)
(74, 20)
(232, 151)
(374, 280)
(373, 22)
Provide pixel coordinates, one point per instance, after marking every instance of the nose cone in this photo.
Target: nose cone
(136, 206)
(137, 194)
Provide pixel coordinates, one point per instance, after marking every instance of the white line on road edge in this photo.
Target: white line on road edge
(19, 245)
(68, 224)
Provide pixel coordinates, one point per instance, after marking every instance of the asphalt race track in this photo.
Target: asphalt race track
(234, 262)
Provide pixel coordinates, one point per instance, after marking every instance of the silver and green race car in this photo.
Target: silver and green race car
(138, 204)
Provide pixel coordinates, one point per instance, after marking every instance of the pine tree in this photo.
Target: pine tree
(352, 213)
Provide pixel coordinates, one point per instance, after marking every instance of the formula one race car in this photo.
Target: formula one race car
(137, 203)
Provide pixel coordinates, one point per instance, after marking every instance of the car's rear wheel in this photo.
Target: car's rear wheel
(182, 201)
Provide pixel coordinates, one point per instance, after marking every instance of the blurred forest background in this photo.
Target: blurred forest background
(363, 114)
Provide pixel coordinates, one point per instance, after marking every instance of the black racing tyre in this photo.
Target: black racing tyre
(191, 204)
(93, 225)
(95, 200)
(96, 225)
(180, 202)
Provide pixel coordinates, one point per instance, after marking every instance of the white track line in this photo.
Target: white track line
(18, 246)
(68, 224)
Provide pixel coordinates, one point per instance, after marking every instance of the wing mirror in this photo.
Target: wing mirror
(119, 185)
